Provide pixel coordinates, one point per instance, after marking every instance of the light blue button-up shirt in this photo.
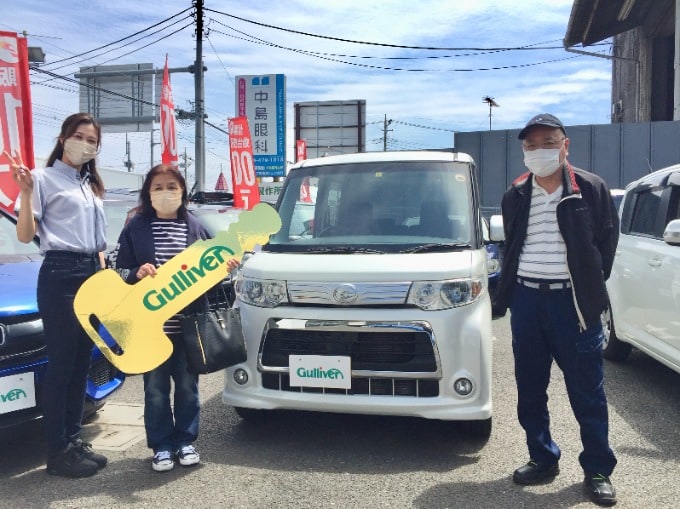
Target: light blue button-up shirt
(70, 217)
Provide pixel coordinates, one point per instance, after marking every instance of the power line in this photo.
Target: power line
(386, 68)
(121, 40)
(368, 43)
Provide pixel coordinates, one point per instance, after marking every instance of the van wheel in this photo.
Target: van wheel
(478, 429)
(251, 414)
(613, 348)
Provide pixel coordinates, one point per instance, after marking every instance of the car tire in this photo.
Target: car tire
(613, 348)
(478, 429)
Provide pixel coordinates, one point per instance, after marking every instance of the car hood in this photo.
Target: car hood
(19, 280)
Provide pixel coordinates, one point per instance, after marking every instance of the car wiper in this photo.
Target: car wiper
(423, 248)
(343, 250)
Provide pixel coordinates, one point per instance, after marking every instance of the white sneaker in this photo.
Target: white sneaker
(162, 461)
(188, 455)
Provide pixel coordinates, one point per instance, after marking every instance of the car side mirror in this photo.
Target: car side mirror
(671, 235)
(496, 231)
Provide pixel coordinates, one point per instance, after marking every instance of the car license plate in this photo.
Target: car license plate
(333, 372)
(17, 392)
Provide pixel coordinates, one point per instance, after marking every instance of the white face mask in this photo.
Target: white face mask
(166, 202)
(542, 162)
(79, 152)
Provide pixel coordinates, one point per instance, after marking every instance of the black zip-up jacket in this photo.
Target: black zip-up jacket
(589, 224)
(136, 247)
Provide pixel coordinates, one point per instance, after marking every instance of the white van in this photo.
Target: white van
(644, 286)
(373, 297)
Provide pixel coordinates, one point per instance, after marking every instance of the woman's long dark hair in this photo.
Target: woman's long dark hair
(89, 169)
(145, 207)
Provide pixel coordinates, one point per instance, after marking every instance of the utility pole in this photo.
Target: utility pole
(127, 162)
(185, 163)
(385, 131)
(152, 144)
(199, 107)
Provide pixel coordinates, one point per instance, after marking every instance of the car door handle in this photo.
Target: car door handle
(654, 262)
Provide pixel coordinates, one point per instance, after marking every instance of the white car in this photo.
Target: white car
(644, 287)
(373, 299)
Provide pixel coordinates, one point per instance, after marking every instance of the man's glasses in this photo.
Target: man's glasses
(546, 144)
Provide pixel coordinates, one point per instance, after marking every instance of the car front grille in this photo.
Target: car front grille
(21, 340)
(375, 351)
(102, 371)
(413, 387)
(393, 358)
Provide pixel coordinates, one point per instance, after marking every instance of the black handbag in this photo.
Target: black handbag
(213, 339)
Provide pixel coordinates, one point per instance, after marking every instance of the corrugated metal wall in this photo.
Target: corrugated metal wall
(619, 153)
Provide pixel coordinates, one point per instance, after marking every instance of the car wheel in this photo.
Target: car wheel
(477, 429)
(613, 348)
(251, 414)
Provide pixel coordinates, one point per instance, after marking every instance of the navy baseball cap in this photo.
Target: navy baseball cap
(545, 119)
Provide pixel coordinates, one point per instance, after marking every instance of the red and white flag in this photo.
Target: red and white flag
(243, 179)
(300, 150)
(16, 117)
(168, 136)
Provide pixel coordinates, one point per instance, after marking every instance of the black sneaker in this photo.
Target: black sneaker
(535, 473)
(599, 489)
(71, 463)
(86, 450)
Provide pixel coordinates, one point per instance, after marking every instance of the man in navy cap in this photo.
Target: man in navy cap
(561, 231)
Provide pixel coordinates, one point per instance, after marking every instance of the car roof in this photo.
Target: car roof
(655, 178)
(396, 155)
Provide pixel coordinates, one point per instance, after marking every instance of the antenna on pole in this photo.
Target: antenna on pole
(490, 101)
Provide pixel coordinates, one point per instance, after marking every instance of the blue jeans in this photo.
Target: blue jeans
(545, 327)
(69, 348)
(165, 432)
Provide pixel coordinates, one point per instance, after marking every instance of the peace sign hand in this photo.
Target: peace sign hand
(21, 174)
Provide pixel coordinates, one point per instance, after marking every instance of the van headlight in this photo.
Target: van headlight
(264, 293)
(435, 295)
(493, 265)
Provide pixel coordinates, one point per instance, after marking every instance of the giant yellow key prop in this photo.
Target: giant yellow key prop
(126, 321)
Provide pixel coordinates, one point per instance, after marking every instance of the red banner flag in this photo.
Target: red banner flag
(16, 124)
(300, 150)
(168, 137)
(244, 184)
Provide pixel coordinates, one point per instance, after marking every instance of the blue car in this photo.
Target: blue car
(23, 356)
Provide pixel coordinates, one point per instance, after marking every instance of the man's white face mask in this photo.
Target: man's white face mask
(542, 162)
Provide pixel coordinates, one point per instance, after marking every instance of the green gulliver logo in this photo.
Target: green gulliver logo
(12, 395)
(332, 374)
(186, 277)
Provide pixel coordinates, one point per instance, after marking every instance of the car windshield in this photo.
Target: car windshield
(385, 206)
(9, 244)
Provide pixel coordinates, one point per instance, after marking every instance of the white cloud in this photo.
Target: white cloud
(445, 97)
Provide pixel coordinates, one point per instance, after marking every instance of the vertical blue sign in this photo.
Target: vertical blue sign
(262, 99)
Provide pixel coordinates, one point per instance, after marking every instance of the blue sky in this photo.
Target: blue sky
(439, 93)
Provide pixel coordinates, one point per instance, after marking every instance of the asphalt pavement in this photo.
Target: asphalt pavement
(306, 460)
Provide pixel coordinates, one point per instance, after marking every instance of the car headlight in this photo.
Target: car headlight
(264, 293)
(493, 265)
(435, 295)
